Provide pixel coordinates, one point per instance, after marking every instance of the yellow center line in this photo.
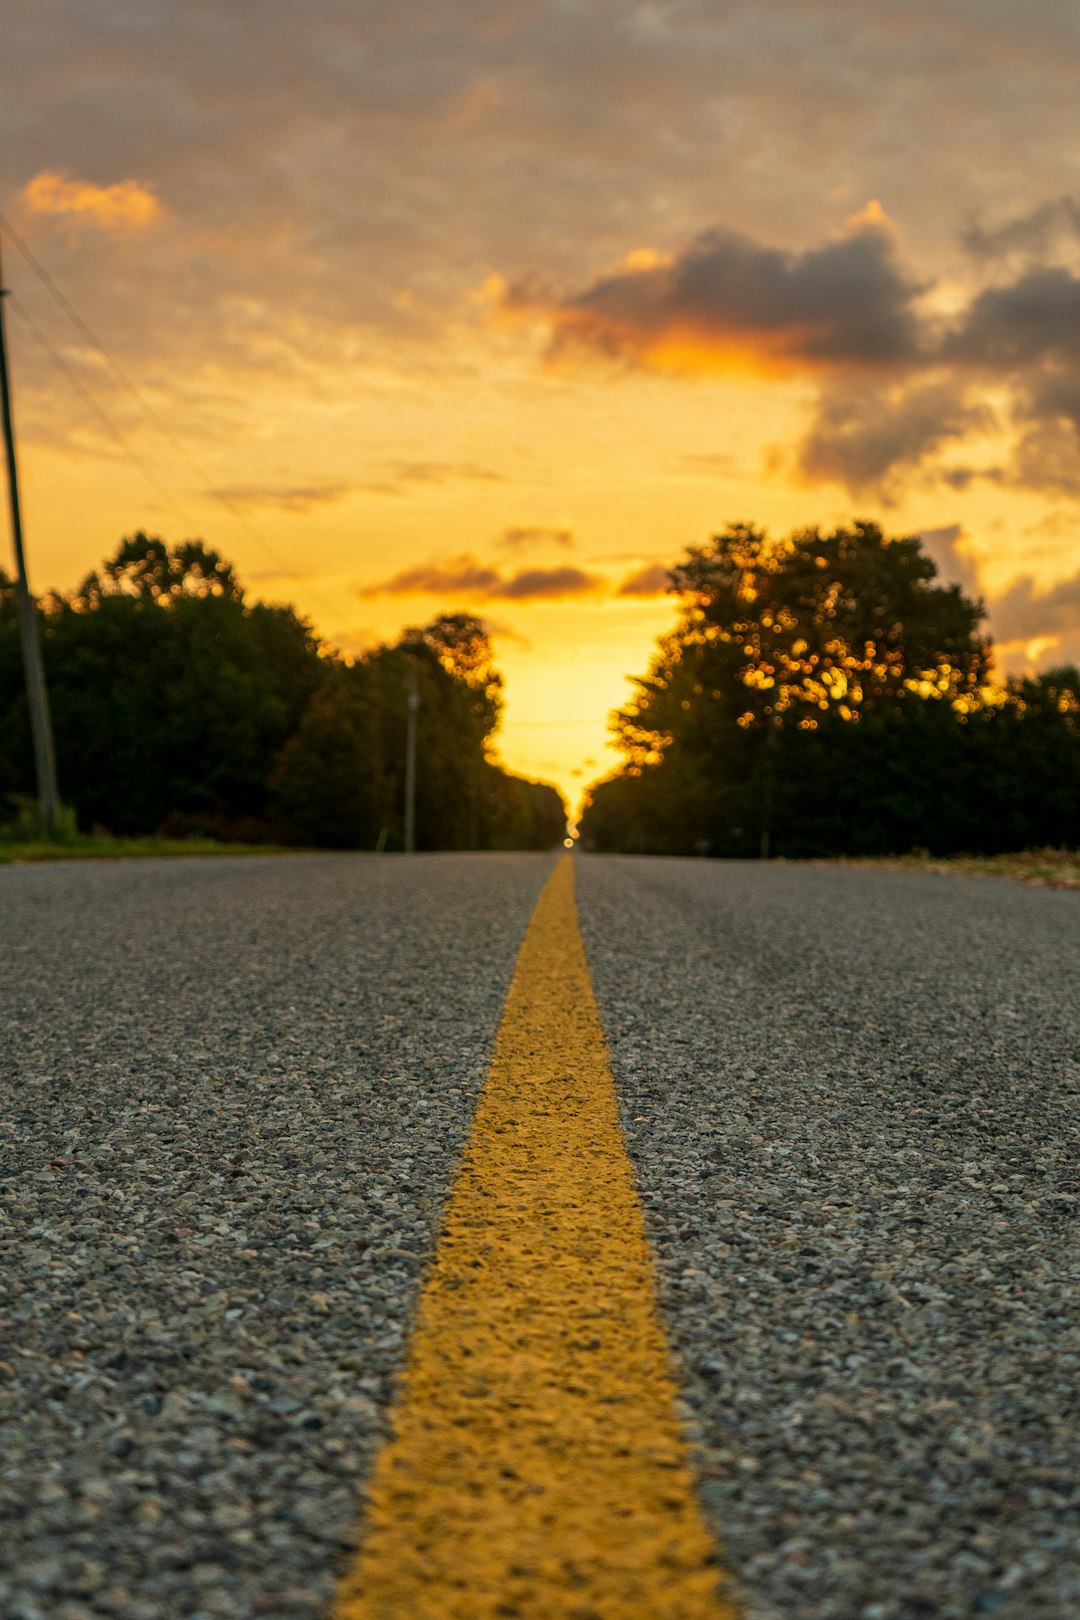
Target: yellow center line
(536, 1468)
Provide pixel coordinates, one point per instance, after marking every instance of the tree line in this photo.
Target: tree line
(824, 694)
(182, 708)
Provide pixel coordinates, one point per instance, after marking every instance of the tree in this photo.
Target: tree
(180, 706)
(330, 782)
(151, 570)
(825, 692)
(172, 696)
(341, 779)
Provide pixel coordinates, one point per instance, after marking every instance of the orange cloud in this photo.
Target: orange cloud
(466, 576)
(286, 497)
(546, 584)
(127, 205)
(654, 579)
(728, 302)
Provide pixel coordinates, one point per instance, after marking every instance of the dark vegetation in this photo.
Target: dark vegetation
(181, 708)
(824, 695)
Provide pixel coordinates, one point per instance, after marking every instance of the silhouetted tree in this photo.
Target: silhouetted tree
(354, 735)
(171, 695)
(826, 690)
(180, 706)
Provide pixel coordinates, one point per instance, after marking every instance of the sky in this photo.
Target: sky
(498, 305)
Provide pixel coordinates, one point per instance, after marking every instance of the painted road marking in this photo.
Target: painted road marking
(536, 1468)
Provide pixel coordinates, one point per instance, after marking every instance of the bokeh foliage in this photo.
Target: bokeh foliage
(824, 694)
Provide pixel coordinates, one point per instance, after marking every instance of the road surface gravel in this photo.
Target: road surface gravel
(234, 1095)
(852, 1099)
(234, 1092)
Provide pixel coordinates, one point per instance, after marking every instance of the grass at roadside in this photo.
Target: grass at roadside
(81, 849)
(1057, 867)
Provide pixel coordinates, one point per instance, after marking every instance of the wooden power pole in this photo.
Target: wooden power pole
(37, 696)
(410, 761)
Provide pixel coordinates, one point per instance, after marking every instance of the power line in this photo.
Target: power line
(91, 403)
(153, 415)
(37, 695)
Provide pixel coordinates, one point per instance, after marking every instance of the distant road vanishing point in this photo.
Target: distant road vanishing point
(582, 1238)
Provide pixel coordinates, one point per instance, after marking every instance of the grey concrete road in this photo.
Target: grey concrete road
(233, 1096)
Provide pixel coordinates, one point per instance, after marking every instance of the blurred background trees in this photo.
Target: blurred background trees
(820, 694)
(824, 694)
(179, 707)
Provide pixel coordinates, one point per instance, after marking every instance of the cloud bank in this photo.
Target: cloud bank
(897, 382)
(285, 497)
(653, 579)
(1023, 612)
(846, 303)
(465, 576)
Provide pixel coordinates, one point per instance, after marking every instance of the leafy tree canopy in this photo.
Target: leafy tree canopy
(180, 706)
(788, 631)
(824, 693)
(461, 645)
(147, 568)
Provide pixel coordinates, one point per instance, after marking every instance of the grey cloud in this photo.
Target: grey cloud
(1054, 395)
(533, 584)
(1047, 458)
(316, 162)
(848, 301)
(862, 438)
(962, 478)
(327, 149)
(844, 310)
(1024, 334)
(946, 546)
(654, 579)
(1024, 612)
(466, 576)
(1037, 232)
(1034, 319)
(1027, 334)
(287, 497)
(459, 575)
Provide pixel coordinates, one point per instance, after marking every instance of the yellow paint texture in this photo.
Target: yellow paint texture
(536, 1468)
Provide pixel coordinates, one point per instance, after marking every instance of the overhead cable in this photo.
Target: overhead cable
(152, 415)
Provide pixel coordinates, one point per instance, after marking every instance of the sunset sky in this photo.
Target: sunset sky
(499, 304)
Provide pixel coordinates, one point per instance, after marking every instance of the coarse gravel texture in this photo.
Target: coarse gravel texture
(851, 1100)
(234, 1093)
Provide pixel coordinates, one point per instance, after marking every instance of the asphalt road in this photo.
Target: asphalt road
(234, 1093)
(852, 1099)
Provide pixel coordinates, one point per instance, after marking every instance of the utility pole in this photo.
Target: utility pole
(768, 774)
(410, 762)
(36, 694)
(766, 820)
